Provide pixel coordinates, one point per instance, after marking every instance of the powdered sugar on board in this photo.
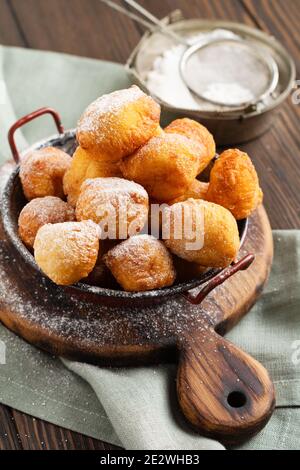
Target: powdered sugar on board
(50, 308)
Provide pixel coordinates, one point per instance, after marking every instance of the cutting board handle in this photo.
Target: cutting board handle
(222, 391)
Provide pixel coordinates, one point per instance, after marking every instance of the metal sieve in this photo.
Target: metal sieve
(231, 72)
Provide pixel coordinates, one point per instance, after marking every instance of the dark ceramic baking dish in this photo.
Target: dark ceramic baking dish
(13, 201)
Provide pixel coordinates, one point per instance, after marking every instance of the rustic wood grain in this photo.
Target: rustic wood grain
(10, 33)
(80, 31)
(35, 434)
(219, 385)
(279, 17)
(9, 433)
(86, 28)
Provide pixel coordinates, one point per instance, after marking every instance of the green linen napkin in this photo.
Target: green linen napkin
(134, 407)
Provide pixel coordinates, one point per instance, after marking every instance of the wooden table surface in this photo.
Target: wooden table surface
(89, 28)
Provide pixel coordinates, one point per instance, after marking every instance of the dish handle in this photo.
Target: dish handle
(24, 120)
(217, 280)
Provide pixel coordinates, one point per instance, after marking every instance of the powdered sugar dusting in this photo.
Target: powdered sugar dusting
(108, 104)
(67, 252)
(119, 206)
(114, 185)
(143, 243)
(171, 139)
(42, 172)
(50, 205)
(41, 211)
(141, 263)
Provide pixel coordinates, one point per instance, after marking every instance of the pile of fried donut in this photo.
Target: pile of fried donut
(124, 163)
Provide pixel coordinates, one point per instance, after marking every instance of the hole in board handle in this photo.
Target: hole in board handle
(236, 399)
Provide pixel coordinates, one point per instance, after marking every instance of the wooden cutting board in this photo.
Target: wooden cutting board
(222, 391)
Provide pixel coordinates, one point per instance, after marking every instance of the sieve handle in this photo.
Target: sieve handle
(24, 120)
(150, 21)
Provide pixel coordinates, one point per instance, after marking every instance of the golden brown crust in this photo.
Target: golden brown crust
(197, 190)
(165, 166)
(42, 211)
(219, 244)
(67, 252)
(42, 172)
(234, 184)
(159, 131)
(119, 206)
(141, 263)
(194, 130)
(118, 123)
(86, 164)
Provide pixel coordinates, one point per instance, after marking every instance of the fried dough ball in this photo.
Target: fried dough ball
(159, 131)
(165, 166)
(42, 172)
(141, 263)
(197, 190)
(234, 184)
(201, 232)
(118, 123)
(119, 206)
(67, 252)
(155, 218)
(86, 165)
(194, 130)
(42, 211)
